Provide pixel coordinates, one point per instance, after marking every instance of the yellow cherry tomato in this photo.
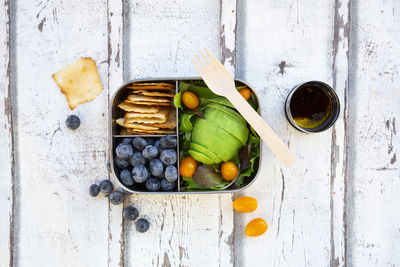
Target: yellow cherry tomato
(190, 100)
(188, 167)
(229, 171)
(246, 93)
(256, 227)
(245, 204)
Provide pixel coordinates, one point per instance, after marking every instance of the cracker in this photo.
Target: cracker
(138, 126)
(148, 103)
(123, 131)
(162, 114)
(145, 120)
(152, 86)
(79, 82)
(137, 98)
(153, 93)
(130, 107)
(170, 123)
(161, 131)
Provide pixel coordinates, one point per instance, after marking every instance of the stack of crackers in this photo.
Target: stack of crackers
(148, 109)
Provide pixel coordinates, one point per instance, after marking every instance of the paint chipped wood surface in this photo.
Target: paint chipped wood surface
(337, 206)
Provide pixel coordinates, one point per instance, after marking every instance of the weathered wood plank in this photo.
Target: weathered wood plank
(190, 230)
(340, 64)
(115, 79)
(281, 44)
(7, 197)
(374, 175)
(59, 224)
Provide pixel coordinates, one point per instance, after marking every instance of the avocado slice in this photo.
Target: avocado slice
(200, 157)
(229, 111)
(205, 151)
(215, 139)
(228, 123)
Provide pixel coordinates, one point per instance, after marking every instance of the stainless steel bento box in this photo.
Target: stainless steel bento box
(115, 113)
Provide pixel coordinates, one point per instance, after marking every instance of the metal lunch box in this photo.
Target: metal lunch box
(115, 113)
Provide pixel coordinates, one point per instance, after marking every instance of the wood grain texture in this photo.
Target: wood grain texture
(340, 82)
(58, 223)
(116, 250)
(190, 230)
(280, 45)
(7, 198)
(374, 175)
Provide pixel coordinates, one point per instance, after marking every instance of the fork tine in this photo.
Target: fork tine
(199, 70)
(205, 58)
(219, 64)
(200, 61)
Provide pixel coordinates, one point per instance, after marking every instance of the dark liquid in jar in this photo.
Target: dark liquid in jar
(310, 106)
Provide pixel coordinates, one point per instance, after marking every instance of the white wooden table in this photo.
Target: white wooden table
(339, 205)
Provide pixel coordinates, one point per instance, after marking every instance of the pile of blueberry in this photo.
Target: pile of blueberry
(147, 162)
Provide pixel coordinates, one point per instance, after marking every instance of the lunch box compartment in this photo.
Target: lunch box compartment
(116, 138)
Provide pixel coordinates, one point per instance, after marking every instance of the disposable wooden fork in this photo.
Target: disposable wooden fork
(221, 82)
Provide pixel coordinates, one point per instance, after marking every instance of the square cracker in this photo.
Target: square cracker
(137, 126)
(170, 123)
(161, 131)
(130, 107)
(147, 98)
(79, 81)
(153, 93)
(145, 120)
(162, 113)
(148, 103)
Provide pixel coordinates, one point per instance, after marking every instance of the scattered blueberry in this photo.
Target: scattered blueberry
(94, 190)
(124, 151)
(137, 159)
(142, 225)
(139, 143)
(121, 163)
(168, 141)
(127, 140)
(140, 174)
(73, 122)
(156, 167)
(126, 177)
(130, 213)
(167, 186)
(158, 145)
(171, 173)
(168, 156)
(150, 152)
(106, 187)
(116, 197)
(153, 184)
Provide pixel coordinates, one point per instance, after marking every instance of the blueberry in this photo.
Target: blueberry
(124, 151)
(116, 197)
(139, 143)
(137, 159)
(168, 141)
(126, 177)
(127, 140)
(150, 152)
(153, 184)
(171, 173)
(167, 186)
(106, 187)
(140, 174)
(94, 190)
(121, 163)
(161, 176)
(150, 140)
(168, 156)
(142, 225)
(130, 213)
(73, 122)
(156, 167)
(158, 145)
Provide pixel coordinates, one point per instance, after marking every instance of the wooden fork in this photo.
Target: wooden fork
(221, 82)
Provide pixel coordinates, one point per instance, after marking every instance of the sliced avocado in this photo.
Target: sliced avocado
(215, 139)
(228, 123)
(221, 100)
(200, 157)
(205, 151)
(229, 111)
